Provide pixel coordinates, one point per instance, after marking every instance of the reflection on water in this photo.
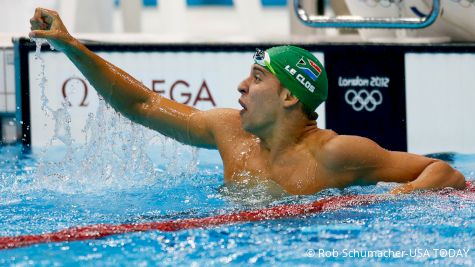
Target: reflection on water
(250, 192)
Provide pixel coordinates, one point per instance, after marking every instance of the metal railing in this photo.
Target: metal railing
(366, 22)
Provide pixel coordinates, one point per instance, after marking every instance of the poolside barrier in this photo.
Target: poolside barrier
(277, 212)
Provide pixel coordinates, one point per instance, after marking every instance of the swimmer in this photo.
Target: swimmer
(273, 137)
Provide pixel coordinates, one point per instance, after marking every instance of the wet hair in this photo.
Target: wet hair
(311, 115)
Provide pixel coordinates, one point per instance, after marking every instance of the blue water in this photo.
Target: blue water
(34, 201)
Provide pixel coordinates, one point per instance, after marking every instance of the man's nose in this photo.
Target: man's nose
(243, 87)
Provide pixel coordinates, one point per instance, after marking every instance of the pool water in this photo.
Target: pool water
(423, 229)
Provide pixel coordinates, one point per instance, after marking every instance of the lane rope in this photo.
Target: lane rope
(91, 232)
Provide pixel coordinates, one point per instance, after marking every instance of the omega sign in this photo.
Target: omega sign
(363, 93)
(178, 91)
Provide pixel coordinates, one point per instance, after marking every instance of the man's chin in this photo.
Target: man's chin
(246, 127)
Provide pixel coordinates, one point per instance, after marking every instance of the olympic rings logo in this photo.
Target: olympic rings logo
(364, 99)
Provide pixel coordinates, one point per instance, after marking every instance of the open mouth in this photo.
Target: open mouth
(244, 108)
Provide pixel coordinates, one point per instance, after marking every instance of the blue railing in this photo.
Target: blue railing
(366, 22)
(197, 3)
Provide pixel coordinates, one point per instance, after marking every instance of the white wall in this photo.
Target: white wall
(440, 92)
(16, 14)
(171, 17)
(7, 83)
(206, 22)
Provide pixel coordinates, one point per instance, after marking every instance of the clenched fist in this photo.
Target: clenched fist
(48, 25)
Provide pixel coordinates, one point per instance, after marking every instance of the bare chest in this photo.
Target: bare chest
(296, 171)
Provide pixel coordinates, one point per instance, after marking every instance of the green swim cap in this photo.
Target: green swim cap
(299, 71)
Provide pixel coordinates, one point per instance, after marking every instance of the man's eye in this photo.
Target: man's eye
(257, 78)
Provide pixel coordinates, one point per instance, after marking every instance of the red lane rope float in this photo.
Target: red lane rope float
(103, 230)
(283, 211)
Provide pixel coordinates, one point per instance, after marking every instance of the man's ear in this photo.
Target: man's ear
(288, 99)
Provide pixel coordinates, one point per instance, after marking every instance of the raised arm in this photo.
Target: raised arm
(370, 163)
(122, 91)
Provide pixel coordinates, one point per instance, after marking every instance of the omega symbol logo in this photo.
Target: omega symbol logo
(64, 90)
(364, 99)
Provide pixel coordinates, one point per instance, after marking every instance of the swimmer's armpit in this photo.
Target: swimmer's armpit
(198, 131)
(190, 141)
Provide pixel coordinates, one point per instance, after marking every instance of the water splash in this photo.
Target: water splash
(61, 116)
(42, 81)
(114, 155)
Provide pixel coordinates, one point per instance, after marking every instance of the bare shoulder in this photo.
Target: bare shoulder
(338, 151)
(220, 117)
(318, 139)
(221, 113)
(209, 128)
(223, 122)
(345, 143)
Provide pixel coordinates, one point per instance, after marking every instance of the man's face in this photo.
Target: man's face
(259, 99)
